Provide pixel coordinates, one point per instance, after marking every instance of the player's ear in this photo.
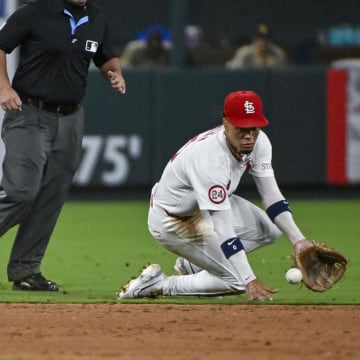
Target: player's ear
(225, 121)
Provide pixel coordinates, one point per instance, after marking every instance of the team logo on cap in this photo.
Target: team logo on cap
(217, 194)
(249, 107)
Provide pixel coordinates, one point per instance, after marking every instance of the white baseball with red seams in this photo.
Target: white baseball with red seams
(293, 276)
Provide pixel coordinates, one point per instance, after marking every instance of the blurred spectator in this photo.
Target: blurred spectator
(262, 52)
(193, 36)
(150, 48)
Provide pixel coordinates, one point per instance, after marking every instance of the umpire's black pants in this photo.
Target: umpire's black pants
(42, 153)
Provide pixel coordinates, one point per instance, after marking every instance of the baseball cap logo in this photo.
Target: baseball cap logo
(249, 107)
(244, 109)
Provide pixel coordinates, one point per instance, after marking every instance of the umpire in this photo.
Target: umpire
(43, 124)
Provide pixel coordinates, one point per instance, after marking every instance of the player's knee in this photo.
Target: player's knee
(274, 234)
(271, 238)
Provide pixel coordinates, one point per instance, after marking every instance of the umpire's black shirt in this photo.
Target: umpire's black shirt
(56, 48)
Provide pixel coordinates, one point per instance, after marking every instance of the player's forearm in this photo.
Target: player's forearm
(278, 208)
(231, 245)
(285, 222)
(112, 72)
(112, 65)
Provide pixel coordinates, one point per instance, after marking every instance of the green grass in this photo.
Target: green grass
(98, 246)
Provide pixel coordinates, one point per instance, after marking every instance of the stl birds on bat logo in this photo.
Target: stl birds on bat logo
(249, 107)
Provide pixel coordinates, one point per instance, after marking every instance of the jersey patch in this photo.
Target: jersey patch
(217, 194)
(91, 46)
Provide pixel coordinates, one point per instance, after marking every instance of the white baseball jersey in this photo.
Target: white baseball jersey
(199, 180)
(204, 173)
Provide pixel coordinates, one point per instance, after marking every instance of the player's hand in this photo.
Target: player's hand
(117, 81)
(9, 99)
(256, 290)
(302, 245)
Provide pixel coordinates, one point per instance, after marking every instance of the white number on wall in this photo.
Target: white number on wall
(115, 151)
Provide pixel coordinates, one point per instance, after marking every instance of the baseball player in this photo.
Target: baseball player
(44, 120)
(194, 212)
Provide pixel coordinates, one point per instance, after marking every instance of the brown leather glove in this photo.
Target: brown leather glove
(321, 266)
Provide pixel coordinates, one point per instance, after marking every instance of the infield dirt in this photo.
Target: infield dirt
(186, 332)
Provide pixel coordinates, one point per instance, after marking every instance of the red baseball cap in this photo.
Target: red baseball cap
(244, 109)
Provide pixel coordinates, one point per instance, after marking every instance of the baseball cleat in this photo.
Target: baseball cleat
(35, 282)
(185, 267)
(147, 284)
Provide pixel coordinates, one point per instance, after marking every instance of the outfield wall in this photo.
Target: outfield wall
(130, 138)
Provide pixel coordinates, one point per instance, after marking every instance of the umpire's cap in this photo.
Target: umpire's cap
(244, 109)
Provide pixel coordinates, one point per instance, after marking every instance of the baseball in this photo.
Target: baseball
(293, 276)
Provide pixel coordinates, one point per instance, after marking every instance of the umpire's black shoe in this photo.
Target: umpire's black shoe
(35, 282)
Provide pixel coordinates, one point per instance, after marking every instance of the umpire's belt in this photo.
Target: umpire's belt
(61, 109)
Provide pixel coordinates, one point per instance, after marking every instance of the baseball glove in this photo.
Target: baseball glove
(321, 266)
